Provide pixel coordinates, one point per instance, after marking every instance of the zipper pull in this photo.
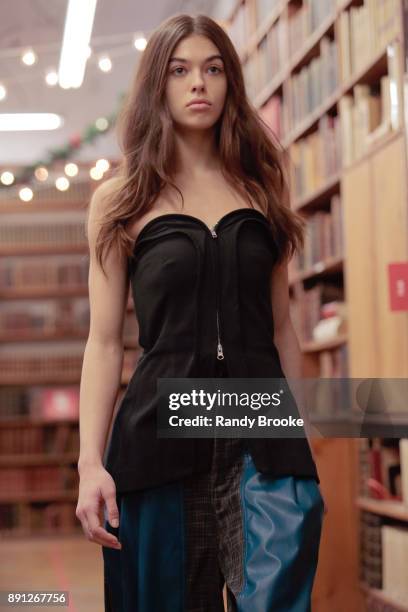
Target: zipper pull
(220, 352)
(213, 233)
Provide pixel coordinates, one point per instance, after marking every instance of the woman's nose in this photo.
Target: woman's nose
(197, 80)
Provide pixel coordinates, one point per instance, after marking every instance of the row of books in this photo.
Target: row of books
(324, 236)
(371, 549)
(314, 82)
(364, 31)
(33, 479)
(47, 440)
(270, 57)
(316, 158)
(306, 20)
(64, 358)
(324, 301)
(367, 114)
(302, 22)
(272, 114)
(334, 364)
(40, 271)
(41, 228)
(22, 362)
(395, 561)
(25, 519)
(384, 556)
(239, 29)
(384, 468)
(62, 316)
(44, 403)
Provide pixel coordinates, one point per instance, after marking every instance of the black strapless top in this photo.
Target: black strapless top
(200, 294)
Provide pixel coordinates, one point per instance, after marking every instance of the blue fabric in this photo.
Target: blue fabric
(281, 519)
(282, 526)
(148, 573)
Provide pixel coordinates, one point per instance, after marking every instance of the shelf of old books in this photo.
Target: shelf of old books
(44, 323)
(327, 78)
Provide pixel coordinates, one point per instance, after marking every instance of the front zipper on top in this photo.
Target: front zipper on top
(220, 351)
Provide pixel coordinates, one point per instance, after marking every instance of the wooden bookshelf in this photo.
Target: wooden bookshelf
(393, 509)
(377, 596)
(44, 325)
(43, 321)
(361, 47)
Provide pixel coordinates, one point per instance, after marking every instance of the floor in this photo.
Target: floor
(67, 563)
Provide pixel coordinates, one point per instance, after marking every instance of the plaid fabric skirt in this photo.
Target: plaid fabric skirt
(181, 542)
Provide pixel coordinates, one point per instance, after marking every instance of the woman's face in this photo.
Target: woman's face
(196, 71)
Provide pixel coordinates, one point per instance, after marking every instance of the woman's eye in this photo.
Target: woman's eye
(179, 70)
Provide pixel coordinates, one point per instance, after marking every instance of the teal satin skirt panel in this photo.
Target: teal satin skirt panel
(182, 541)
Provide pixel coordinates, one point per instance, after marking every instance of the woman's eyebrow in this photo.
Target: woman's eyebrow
(208, 59)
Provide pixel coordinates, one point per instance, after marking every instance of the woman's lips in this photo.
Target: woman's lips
(199, 105)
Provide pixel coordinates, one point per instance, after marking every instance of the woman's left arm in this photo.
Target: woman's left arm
(286, 341)
(285, 338)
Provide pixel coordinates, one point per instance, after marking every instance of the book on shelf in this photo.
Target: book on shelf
(271, 54)
(65, 316)
(371, 549)
(305, 19)
(271, 114)
(48, 440)
(314, 82)
(42, 228)
(53, 404)
(373, 111)
(364, 31)
(316, 158)
(21, 362)
(384, 556)
(395, 562)
(323, 237)
(33, 479)
(382, 468)
(39, 272)
(239, 29)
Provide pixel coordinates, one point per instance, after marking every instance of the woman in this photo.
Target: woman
(185, 516)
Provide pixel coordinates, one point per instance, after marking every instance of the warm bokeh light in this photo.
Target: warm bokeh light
(95, 174)
(25, 194)
(71, 169)
(41, 173)
(62, 183)
(7, 178)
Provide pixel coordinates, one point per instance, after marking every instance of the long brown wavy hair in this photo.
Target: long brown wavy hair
(251, 157)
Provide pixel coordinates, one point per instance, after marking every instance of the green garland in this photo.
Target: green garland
(74, 144)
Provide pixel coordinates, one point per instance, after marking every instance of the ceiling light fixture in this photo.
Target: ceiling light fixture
(77, 33)
(17, 122)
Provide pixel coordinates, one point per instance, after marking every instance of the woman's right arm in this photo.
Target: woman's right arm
(100, 380)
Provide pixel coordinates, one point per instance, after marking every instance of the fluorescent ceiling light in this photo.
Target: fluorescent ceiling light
(75, 45)
(15, 122)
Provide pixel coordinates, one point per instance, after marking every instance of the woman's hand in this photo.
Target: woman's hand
(96, 486)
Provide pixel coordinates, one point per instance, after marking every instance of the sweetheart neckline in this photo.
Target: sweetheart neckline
(196, 219)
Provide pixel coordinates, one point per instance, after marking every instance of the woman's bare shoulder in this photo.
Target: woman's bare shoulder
(108, 187)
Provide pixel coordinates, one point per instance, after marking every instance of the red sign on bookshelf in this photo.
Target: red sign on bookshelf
(56, 403)
(398, 285)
